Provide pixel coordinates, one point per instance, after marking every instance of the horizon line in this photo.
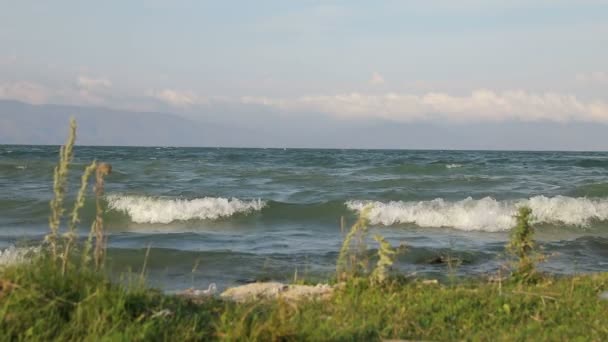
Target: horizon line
(317, 148)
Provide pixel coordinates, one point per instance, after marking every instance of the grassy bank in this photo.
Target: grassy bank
(37, 302)
(64, 293)
(554, 309)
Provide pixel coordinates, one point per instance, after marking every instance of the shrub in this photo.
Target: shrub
(522, 247)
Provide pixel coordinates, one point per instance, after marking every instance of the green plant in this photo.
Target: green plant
(57, 205)
(60, 181)
(96, 231)
(351, 262)
(522, 246)
(70, 235)
(348, 263)
(386, 256)
(103, 169)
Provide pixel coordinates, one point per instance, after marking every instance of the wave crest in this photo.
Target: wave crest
(17, 255)
(486, 214)
(143, 209)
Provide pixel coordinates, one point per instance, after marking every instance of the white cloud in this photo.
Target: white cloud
(177, 98)
(480, 105)
(92, 91)
(86, 92)
(595, 77)
(376, 79)
(92, 83)
(8, 60)
(25, 91)
(476, 5)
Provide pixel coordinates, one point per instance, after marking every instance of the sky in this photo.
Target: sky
(465, 64)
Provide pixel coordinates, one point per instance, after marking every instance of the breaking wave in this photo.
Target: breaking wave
(143, 209)
(17, 255)
(486, 214)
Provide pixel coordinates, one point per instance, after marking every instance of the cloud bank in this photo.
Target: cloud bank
(177, 98)
(376, 79)
(28, 92)
(480, 105)
(596, 77)
(92, 83)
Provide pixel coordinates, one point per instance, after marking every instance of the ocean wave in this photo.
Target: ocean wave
(17, 255)
(453, 166)
(486, 214)
(143, 209)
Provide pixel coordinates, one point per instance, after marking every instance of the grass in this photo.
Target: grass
(61, 295)
(553, 309)
(37, 302)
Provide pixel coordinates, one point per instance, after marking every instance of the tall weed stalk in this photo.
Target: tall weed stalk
(350, 264)
(60, 182)
(347, 264)
(97, 232)
(58, 210)
(71, 234)
(386, 258)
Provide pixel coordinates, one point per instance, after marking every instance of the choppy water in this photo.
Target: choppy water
(238, 215)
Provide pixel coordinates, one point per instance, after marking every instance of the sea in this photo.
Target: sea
(191, 217)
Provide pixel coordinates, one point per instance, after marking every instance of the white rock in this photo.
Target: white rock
(273, 290)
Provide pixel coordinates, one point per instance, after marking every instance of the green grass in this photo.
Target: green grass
(37, 302)
(554, 309)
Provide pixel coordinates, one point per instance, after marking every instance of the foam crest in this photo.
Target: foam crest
(453, 166)
(486, 214)
(17, 255)
(144, 209)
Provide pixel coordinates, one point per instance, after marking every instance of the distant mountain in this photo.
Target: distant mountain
(22, 123)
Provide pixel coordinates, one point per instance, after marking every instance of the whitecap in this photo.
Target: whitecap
(143, 209)
(17, 255)
(486, 214)
(453, 166)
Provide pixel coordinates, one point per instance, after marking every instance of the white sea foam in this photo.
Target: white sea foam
(144, 209)
(17, 255)
(486, 214)
(453, 166)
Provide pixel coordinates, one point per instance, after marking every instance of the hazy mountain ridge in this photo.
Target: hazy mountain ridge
(22, 123)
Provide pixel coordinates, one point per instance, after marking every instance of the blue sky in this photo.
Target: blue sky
(458, 62)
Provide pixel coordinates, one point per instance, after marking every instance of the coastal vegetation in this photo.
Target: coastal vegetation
(64, 292)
